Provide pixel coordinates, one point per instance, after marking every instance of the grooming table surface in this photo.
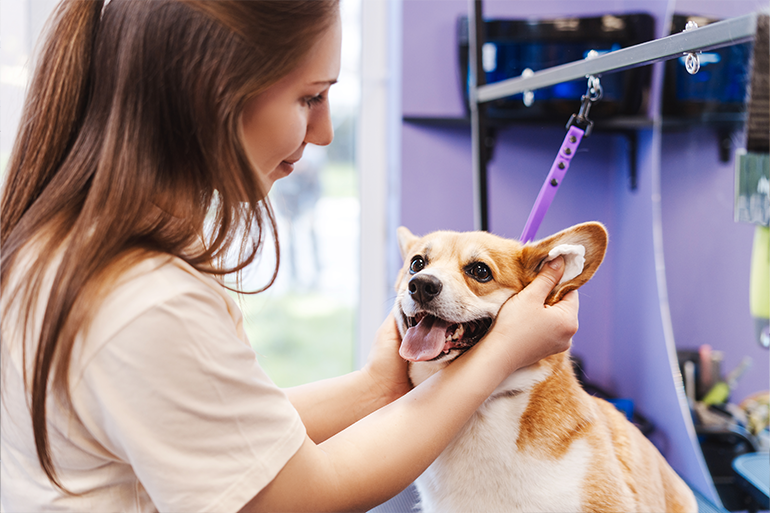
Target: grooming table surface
(754, 470)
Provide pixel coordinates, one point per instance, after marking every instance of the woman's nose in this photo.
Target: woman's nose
(319, 127)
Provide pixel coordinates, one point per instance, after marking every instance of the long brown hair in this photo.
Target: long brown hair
(129, 142)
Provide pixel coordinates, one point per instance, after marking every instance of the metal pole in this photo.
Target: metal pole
(479, 152)
(716, 35)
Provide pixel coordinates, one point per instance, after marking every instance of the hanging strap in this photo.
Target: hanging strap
(578, 127)
(552, 182)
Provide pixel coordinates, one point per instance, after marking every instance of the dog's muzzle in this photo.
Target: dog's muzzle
(431, 338)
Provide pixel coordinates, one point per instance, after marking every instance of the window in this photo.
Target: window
(307, 325)
(303, 327)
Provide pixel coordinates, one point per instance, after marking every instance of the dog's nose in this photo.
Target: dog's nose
(424, 287)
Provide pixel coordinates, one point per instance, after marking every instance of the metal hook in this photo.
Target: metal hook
(594, 93)
(528, 96)
(692, 59)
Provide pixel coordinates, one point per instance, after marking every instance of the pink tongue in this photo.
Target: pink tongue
(424, 341)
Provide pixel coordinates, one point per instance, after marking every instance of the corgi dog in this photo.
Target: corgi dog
(539, 442)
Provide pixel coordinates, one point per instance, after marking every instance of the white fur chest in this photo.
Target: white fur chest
(483, 470)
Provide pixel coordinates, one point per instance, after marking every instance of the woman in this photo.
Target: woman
(152, 132)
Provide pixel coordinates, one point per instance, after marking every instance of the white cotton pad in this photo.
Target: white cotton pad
(574, 259)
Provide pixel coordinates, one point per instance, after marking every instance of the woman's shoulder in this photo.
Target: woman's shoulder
(166, 290)
(158, 277)
(158, 280)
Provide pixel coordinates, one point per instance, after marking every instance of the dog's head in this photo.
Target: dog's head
(453, 284)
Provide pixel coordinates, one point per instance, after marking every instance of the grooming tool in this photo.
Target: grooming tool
(759, 287)
(720, 392)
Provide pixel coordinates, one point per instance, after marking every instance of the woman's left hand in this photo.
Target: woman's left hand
(385, 367)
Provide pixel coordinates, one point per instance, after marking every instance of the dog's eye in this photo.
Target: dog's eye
(417, 265)
(479, 271)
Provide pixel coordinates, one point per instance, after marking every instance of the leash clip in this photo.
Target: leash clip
(593, 94)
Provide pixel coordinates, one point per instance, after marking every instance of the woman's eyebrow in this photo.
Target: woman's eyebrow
(324, 82)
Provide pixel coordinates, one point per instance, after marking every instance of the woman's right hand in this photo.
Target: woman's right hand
(385, 368)
(539, 330)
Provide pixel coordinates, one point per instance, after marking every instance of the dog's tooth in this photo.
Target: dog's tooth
(458, 332)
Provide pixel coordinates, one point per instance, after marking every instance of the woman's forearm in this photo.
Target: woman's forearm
(375, 458)
(395, 444)
(329, 406)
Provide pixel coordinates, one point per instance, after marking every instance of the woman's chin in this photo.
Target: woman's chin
(283, 170)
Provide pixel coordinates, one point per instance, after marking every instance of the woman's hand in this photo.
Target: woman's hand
(540, 330)
(385, 368)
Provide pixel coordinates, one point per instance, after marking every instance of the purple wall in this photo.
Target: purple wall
(623, 330)
(436, 187)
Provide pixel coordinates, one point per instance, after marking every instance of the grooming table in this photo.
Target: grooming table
(753, 471)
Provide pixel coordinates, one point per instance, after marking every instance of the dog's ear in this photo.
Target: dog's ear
(582, 246)
(405, 240)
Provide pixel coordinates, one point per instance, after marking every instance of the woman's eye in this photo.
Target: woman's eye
(417, 265)
(479, 271)
(312, 101)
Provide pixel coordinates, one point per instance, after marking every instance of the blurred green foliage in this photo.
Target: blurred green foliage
(300, 338)
(339, 180)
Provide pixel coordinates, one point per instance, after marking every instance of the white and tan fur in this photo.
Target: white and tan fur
(540, 442)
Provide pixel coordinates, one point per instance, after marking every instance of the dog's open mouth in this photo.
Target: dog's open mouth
(429, 337)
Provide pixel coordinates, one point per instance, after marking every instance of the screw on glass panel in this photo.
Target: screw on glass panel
(692, 59)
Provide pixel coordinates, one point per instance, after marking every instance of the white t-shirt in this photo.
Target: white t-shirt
(171, 410)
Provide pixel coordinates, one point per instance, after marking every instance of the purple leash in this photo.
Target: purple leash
(552, 183)
(579, 126)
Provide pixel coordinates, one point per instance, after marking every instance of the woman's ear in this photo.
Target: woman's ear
(405, 240)
(582, 246)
